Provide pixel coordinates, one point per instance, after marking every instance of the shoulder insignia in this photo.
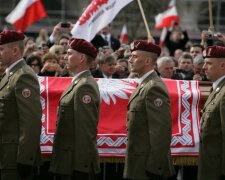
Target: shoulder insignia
(158, 102)
(86, 99)
(26, 93)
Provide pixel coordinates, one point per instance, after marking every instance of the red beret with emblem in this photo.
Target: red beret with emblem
(144, 45)
(10, 36)
(214, 52)
(83, 46)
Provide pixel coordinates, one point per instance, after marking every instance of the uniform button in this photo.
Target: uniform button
(63, 110)
(85, 165)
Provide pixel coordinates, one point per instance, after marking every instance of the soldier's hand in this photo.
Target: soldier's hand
(24, 170)
(154, 176)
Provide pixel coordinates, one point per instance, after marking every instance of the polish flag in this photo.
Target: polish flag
(168, 17)
(98, 14)
(26, 13)
(123, 36)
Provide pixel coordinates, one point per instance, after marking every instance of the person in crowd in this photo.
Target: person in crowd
(75, 155)
(165, 67)
(199, 73)
(60, 30)
(42, 48)
(185, 68)
(177, 54)
(20, 111)
(51, 65)
(105, 38)
(176, 39)
(212, 129)
(107, 67)
(149, 119)
(196, 49)
(63, 41)
(30, 46)
(34, 61)
(122, 70)
(42, 36)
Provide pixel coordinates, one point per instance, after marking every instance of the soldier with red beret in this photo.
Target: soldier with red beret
(149, 122)
(75, 154)
(20, 111)
(212, 136)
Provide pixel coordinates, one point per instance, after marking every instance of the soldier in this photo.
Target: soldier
(20, 111)
(212, 137)
(149, 119)
(75, 154)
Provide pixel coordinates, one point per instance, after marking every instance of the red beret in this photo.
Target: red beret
(9, 36)
(83, 46)
(214, 52)
(144, 45)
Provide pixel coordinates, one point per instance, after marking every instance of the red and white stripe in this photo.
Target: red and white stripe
(26, 13)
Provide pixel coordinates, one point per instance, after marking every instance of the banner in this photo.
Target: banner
(98, 14)
(115, 93)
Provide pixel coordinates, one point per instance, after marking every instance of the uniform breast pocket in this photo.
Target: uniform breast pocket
(137, 113)
(65, 122)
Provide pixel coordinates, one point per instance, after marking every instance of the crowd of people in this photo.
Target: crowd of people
(75, 155)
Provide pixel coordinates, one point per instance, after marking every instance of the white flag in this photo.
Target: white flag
(97, 15)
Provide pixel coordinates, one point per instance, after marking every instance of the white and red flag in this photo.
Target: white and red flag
(123, 36)
(168, 17)
(26, 13)
(97, 15)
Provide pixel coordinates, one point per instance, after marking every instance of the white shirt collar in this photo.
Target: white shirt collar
(141, 79)
(8, 69)
(78, 74)
(108, 77)
(215, 83)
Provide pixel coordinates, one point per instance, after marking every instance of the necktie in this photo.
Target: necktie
(106, 40)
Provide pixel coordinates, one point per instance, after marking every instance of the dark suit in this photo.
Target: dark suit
(98, 42)
(20, 120)
(97, 73)
(75, 147)
(212, 137)
(149, 130)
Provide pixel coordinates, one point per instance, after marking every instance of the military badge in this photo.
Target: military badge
(26, 93)
(86, 99)
(158, 102)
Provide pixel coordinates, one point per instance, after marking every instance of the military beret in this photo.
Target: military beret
(214, 52)
(9, 36)
(145, 45)
(83, 46)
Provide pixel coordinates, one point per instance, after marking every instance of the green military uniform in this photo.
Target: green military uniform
(212, 137)
(149, 130)
(75, 147)
(20, 120)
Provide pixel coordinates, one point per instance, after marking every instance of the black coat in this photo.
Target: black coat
(99, 41)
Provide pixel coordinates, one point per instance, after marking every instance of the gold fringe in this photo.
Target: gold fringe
(185, 160)
(177, 160)
(112, 160)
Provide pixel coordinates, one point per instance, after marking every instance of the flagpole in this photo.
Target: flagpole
(150, 38)
(211, 26)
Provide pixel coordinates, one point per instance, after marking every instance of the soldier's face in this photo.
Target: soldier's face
(214, 68)
(73, 60)
(5, 55)
(137, 62)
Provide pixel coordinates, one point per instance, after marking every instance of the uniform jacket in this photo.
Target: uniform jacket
(212, 137)
(20, 117)
(149, 130)
(75, 137)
